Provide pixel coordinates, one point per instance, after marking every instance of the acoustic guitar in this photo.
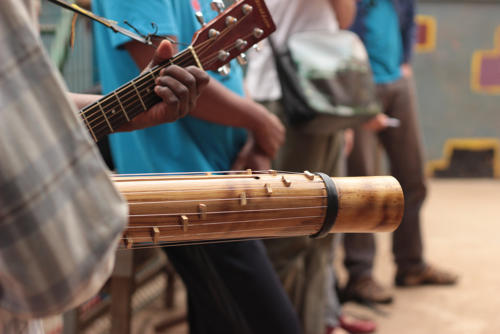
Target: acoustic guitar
(233, 32)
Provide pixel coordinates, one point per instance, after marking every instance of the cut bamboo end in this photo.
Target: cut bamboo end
(155, 233)
(184, 222)
(202, 209)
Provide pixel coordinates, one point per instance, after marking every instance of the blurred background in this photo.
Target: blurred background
(457, 72)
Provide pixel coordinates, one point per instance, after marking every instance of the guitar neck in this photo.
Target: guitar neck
(109, 113)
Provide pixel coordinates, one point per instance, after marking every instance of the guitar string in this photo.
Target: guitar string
(131, 100)
(131, 96)
(187, 52)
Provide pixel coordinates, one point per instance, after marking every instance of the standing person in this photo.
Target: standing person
(231, 287)
(304, 264)
(60, 215)
(387, 29)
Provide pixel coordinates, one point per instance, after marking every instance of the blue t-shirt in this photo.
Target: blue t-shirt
(382, 38)
(186, 145)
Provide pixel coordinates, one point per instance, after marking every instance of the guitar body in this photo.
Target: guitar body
(189, 208)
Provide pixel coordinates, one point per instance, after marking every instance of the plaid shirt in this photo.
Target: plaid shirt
(60, 216)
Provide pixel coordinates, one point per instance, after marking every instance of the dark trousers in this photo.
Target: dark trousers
(404, 150)
(232, 288)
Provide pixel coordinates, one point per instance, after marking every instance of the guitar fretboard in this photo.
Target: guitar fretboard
(109, 113)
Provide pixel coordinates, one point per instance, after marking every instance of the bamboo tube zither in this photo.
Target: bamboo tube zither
(189, 208)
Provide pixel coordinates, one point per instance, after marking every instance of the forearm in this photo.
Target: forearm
(82, 100)
(345, 11)
(219, 105)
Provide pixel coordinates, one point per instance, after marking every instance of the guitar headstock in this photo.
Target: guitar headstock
(234, 31)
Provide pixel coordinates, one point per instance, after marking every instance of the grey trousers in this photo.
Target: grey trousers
(305, 265)
(404, 150)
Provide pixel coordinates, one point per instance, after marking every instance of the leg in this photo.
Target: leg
(360, 248)
(233, 289)
(404, 149)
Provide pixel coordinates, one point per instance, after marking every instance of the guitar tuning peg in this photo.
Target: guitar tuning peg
(257, 47)
(200, 18)
(242, 59)
(218, 5)
(224, 70)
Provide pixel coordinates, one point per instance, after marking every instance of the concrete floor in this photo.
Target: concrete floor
(461, 225)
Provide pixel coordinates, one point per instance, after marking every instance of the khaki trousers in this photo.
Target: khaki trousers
(303, 264)
(404, 150)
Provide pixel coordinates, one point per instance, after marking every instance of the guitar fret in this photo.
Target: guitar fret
(121, 106)
(105, 117)
(88, 125)
(138, 95)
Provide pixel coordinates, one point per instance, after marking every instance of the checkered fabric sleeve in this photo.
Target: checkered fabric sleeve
(60, 216)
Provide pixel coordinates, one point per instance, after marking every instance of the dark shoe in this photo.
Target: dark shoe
(366, 291)
(429, 275)
(357, 326)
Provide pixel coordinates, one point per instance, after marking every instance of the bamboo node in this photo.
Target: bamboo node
(202, 209)
(309, 175)
(286, 182)
(184, 221)
(243, 199)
